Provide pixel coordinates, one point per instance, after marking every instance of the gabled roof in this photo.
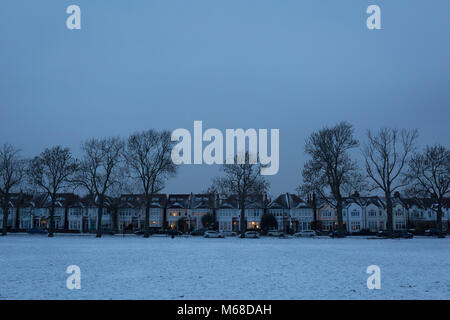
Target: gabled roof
(326, 202)
(296, 202)
(288, 201)
(408, 202)
(229, 203)
(363, 201)
(256, 202)
(280, 202)
(201, 201)
(178, 201)
(130, 201)
(158, 201)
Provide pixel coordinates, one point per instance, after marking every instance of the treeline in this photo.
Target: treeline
(106, 165)
(392, 161)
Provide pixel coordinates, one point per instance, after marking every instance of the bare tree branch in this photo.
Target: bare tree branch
(148, 157)
(51, 171)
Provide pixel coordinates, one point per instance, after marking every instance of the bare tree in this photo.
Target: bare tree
(148, 157)
(429, 175)
(331, 171)
(386, 153)
(11, 174)
(100, 170)
(243, 181)
(51, 172)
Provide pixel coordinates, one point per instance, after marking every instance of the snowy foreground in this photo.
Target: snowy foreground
(113, 267)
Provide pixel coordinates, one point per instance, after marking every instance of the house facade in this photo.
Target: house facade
(227, 214)
(199, 206)
(374, 214)
(327, 216)
(185, 211)
(291, 213)
(352, 213)
(129, 213)
(254, 211)
(158, 204)
(177, 212)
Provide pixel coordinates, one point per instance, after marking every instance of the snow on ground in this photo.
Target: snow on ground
(115, 267)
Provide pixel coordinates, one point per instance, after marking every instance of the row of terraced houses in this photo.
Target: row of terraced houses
(184, 211)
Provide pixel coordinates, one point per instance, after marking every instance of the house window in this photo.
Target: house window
(355, 213)
(399, 226)
(74, 225)
(356, 226)
(373, 225)
(25, 224)
(326, 225)
(305, 226)
(372, 213)
(253, 225)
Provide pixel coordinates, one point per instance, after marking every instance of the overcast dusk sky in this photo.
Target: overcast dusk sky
(286, 64)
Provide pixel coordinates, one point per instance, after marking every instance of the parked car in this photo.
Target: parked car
(364, 232)
(396, 234)
(139, 232)
(275, 233)
(403, 234)
(434, 232)
(229, 233)
(157, 231)
(251, 234)
(199, 232)
(213, 234)
(306, 233)
(37, 231)
(383, 233)
(174, 233)
(335, 234)
(108, 231)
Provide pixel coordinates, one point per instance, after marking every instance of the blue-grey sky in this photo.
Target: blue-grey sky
(287, 64)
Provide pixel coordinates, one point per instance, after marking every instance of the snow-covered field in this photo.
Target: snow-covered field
(34, 267)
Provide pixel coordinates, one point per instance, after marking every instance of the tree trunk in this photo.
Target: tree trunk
(52, 218)
(5, 214)
(339, 218)
(242, 219)
(17, 223)
(99, 218)
(439, 221)
(147, 218)
(315, 218)
(114, 216)
(390, 216)
(66, 219)
(5, 221)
